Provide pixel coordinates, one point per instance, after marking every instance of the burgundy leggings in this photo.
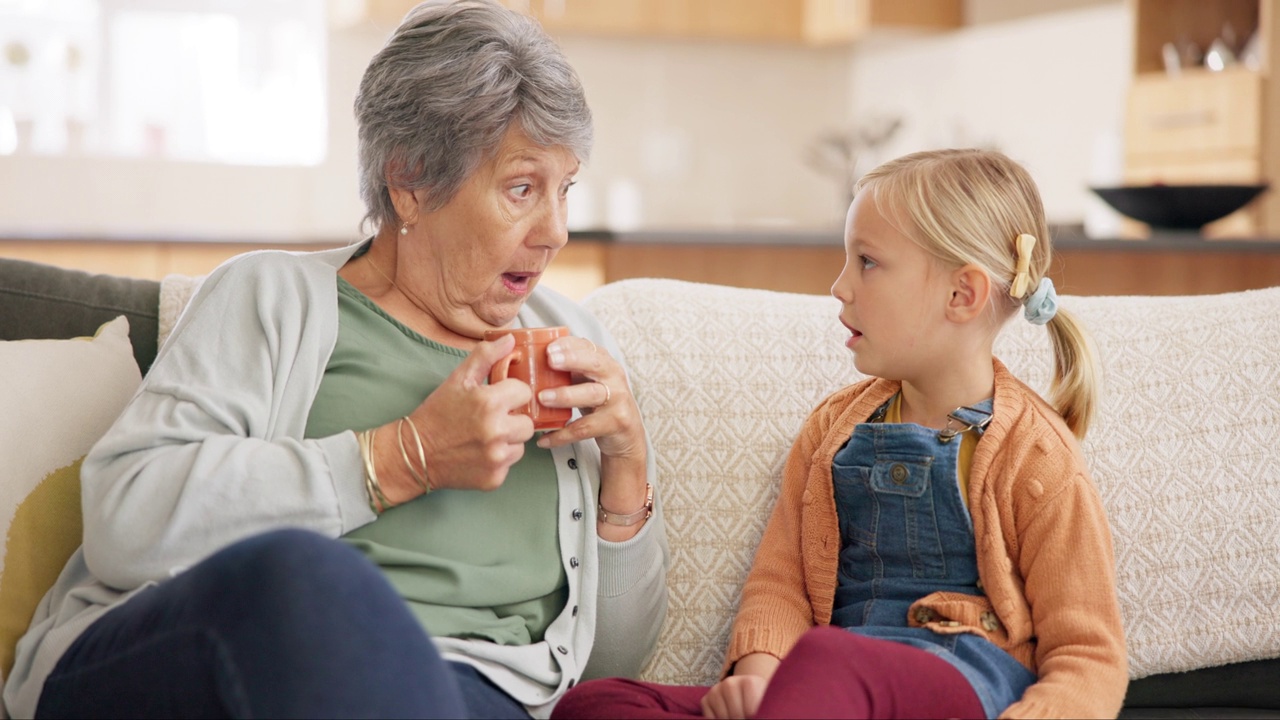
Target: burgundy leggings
(830, 673)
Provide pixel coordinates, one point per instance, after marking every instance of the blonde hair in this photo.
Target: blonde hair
(967, 206)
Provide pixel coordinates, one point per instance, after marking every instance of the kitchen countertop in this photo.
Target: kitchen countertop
(789, 259)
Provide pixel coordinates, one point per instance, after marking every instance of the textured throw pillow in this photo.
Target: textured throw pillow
(57, 397)
(1183, 451)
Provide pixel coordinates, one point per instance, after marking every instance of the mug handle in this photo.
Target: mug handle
(503, 367)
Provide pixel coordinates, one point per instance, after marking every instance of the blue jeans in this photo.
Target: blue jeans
(285, 624)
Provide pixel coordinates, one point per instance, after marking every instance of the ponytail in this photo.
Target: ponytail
(1073, 391)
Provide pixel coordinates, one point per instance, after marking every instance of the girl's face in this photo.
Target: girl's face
(893, 294)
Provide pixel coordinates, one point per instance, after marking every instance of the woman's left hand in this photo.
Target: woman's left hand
(600, 390)
(611, 416)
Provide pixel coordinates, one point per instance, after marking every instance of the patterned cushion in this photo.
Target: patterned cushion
(57, 397)
(1183, 451)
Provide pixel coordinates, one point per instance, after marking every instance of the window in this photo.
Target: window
(219, 81)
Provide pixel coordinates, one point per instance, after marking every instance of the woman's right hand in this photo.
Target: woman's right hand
(469, 434)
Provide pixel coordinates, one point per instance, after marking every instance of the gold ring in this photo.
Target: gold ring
(607, 394)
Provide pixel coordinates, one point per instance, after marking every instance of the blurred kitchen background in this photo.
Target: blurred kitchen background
(217, 125)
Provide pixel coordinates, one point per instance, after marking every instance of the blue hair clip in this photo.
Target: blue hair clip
(1040, 307)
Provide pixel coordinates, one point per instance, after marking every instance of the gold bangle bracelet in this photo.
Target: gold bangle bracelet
(420, 478)
(644, 513)
(377, 500)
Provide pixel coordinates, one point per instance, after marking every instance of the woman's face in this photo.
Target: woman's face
(474, 261)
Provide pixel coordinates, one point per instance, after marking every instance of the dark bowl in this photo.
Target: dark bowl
(1179, 207)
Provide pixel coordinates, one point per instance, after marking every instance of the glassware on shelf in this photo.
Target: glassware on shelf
(1220, 57)
(1190, 53)
(1251, 53)
(1172, 59)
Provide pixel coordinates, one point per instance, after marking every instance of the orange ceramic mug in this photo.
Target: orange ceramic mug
(528, 362)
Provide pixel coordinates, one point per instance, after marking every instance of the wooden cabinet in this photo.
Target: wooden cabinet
(801, 21)
(1200, 125)
(1080, 267)
(814, 22)
(1203, 114)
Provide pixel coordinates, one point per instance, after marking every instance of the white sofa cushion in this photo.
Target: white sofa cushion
(57, 397)
(1184, 451)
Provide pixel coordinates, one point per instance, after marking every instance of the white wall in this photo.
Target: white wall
(1047, 90)
(711, 134)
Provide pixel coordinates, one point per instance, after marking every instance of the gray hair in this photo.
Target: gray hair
(437, 99)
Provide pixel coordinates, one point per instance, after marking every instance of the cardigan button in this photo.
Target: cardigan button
(573, 562)
(990, 622)
(562, 650)
(577, 514)
(573, 463)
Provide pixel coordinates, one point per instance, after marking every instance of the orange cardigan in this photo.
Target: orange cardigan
(1044, 551)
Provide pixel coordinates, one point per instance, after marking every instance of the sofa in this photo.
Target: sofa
(1184, 452)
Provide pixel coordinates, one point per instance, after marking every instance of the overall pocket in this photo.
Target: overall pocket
(858, 513)
(901, 487)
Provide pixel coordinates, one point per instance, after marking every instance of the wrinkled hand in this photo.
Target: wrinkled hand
(737, 696)
(470, 435)
(600, 389)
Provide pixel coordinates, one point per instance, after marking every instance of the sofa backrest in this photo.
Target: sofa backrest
(1183, 450)
(39, 301)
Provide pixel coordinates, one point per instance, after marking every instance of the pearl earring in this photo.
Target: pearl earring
(404, 229)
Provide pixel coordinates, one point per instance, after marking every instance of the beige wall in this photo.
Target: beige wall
(712, 135)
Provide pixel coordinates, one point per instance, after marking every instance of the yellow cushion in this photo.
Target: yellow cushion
(57, 397)
(45, 530)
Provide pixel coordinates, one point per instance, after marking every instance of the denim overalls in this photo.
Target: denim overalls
(905, 533)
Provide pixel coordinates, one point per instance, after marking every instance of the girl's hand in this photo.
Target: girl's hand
(737, 696)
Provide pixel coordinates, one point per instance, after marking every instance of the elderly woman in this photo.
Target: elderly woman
(316, 505)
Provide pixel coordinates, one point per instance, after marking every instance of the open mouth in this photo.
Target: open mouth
(854, 333)
(519, 282)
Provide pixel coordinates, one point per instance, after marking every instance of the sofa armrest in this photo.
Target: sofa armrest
(44, 301)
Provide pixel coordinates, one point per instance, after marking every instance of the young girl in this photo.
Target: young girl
(940, 512)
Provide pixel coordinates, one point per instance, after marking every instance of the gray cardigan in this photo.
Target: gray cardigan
(236, 464)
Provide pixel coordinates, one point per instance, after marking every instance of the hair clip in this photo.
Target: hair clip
(1024, 244)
